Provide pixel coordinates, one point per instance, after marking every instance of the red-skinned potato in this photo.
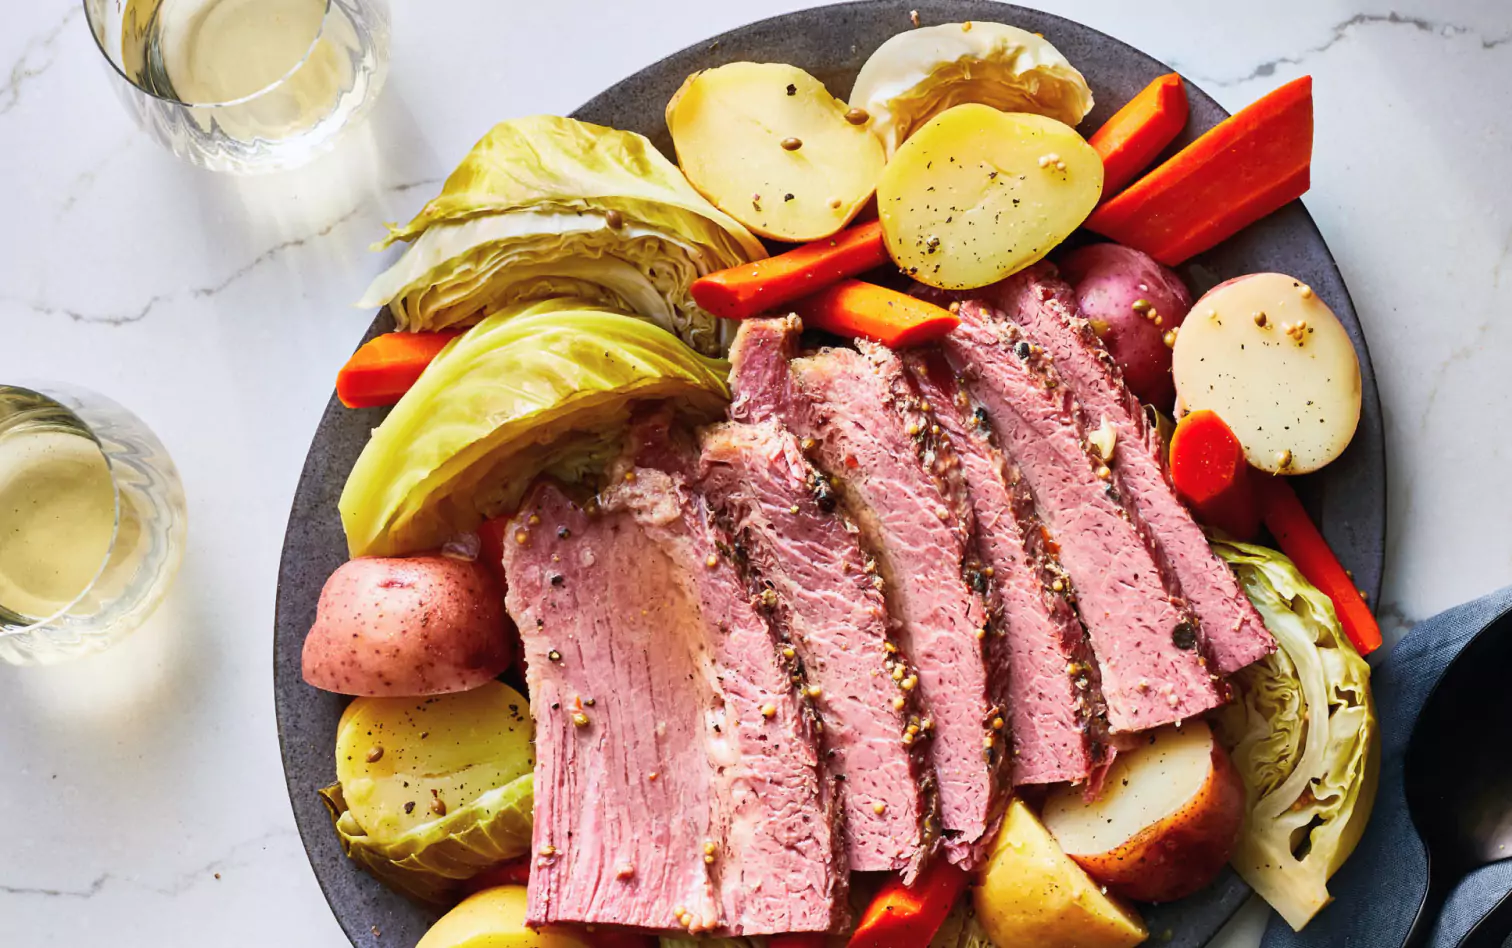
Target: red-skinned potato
(1132, 302)
(1166, 822)
(405, 627)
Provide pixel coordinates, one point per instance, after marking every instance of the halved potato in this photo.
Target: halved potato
(1030, 893)
(1167, 819)
(769, 146)
(495, 918)
(1273, 361)
(406, 761)
(977, 194)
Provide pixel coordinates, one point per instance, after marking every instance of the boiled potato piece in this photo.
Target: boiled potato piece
(1273, 361)
(769, 146)
(977, 194)
(404, 761)
(1031, 893)
(1167, 819)
(495, 918)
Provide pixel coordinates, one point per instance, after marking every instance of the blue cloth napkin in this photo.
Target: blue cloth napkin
(1377, 892)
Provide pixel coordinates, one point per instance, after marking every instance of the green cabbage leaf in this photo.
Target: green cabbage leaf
(1303, 734)
(546, 206)
(429, 862)
(540, 388)
(920, 73)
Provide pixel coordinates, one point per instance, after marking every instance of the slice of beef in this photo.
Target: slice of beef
(877, 450)
(677, 781)
(1041, 655)
(1232, 633)
(1144, 641)
(806, 566)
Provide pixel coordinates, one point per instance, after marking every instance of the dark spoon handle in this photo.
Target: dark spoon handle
(1439, 888)
(1493, 928)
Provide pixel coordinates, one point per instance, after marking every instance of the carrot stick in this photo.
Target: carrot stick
(906, 917)
(1243, 169)
(387, 366)
(1210, 473)
(1289, 523)
(1136, 133)
(852, 308)
(751, 288)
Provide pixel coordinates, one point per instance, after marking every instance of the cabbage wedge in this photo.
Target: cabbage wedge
(535, 388)
(1303, 734)
(546, 206)
(920, 73)
(429, 862)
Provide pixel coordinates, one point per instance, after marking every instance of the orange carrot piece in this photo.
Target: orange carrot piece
(514, 872)
(907, 917)
(1247, 166)
(387, 366)
(759, 287)
(1210, 473)
(1136, 133)
(852, 308)
(1300, 540)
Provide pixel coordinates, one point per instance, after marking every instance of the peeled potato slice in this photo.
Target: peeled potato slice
(977, 194)
(769, 146)
(1273, 361)
(1031, 893)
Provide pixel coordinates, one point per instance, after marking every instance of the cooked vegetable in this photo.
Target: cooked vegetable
(855, 309)
(1211, 475)
(1300, 540)
(961, 929)
(543, 387)
(1166, 820)
(770, 146)
(978, 194)
(386, 366)
(1136, 133)
(910, 915)
(425, 625)
(1275, 363)
(434, 791)
(1135, 305)
(764, 285)
(1243, 169)
(514, 872)
(547, 207)
(920, 73)
(495, 918)
(1031, 893)
(1303, 735)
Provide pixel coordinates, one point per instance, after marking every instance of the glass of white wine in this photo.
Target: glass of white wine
(92, 522)
(244, 86)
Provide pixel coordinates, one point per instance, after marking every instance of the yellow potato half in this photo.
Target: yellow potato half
(1274, 362)
(768, 145)
(977, 194)
(406, 761)
(1031, 893)
(495, 918)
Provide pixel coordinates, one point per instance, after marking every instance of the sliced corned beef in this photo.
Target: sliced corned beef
(677, 779)
(1231, 631)
(1050, 695)
(878, 451)
(1145, 643)
(806, 566)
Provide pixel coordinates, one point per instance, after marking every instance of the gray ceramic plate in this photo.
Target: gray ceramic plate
(1349, 497)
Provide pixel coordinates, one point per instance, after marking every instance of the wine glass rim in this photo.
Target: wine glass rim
(97, 35)
(41, 624)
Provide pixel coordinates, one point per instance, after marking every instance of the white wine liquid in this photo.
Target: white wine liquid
(57, 518)
(223, 50)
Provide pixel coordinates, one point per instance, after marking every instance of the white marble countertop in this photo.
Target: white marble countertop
(141, 791)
